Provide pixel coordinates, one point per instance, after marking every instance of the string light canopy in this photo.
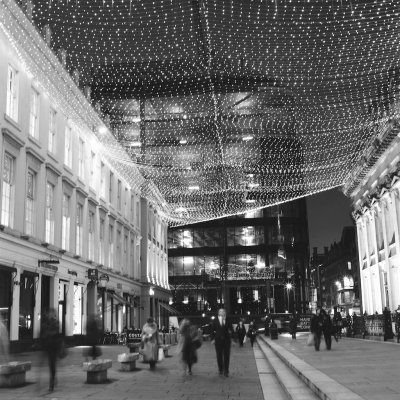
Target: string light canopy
(227, 106)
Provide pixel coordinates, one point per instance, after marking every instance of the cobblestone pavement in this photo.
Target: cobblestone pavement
(166, 382)
(369, 368)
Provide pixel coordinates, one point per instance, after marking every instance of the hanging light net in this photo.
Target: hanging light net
(228, 106)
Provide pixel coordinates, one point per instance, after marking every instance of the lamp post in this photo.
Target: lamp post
(288, 287)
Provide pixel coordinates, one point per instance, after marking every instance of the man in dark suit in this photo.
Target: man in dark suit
(222, 333)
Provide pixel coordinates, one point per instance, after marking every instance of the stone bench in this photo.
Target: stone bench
(128, 361)
(97, 370)
(165, 347)
(14, 373)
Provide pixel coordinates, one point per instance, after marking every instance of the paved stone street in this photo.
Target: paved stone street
(166, 382)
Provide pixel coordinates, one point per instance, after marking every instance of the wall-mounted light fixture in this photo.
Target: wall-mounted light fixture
(101, 280)
(151, 291)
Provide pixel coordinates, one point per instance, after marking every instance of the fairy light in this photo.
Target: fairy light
(255, 103)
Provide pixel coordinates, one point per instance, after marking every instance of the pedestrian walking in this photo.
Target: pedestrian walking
(266, 325)
(150, 342)
(222, 334)
(337, 325)
(293, 325)
(327, 328)
(316, 328)
(189, 341)
(252, 333)
(240, 332)
(51, 342)
(93, 335)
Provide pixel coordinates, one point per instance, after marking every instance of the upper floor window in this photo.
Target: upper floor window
(119, 193)
(66, 222)
(81, 159)
(68, 147)
(111, 246)
(79, 229)
(52, 131)
(126, 203)
(110, 191)
(101, 242)
(12, 93)
(34, 114)
(103, 180)
(8, 191)
(92, 169)
(49, 225)
(91, 235)
(30, 203)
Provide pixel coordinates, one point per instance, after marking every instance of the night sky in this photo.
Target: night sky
(328, 213)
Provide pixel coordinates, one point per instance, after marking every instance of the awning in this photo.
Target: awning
(170, 309)
(119, 299)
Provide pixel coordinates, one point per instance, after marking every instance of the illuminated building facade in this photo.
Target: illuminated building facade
(75, 233)
(252, 263)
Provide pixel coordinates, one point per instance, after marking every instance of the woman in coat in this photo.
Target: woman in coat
(189, 342)
(150, 342)
(252, 333)
(240, 332)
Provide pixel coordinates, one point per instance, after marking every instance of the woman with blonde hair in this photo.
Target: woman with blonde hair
(150, 342)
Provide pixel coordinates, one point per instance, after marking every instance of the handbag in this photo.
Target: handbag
(310, 340)
(160, 354)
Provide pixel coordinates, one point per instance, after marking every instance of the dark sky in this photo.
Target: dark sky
(328, 213)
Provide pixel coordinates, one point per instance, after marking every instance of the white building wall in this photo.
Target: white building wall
(17, 249)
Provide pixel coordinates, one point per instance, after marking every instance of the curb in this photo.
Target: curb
(321, 384)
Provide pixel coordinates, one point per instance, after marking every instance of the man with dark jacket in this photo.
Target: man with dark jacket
(221, 334)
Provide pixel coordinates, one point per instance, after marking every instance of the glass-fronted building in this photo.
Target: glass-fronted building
(252, 264)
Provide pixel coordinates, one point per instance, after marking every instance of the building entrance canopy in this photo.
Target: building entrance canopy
(228, 106)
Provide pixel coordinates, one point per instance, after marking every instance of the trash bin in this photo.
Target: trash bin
(273, 330)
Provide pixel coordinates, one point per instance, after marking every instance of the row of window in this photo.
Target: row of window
(236, 236)
(106, 179)
(117, 245)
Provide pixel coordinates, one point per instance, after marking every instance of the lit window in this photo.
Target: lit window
(12, 93)
(8, 191)
(91, 235)
(111, 247)
(79, 229)
(49, 226)
(34, 114)
(68, 147)
(66, 223)
(101, 246)
(52, 131)
(81, 159)
(30, 203)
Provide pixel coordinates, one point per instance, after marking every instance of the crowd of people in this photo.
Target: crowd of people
(190, 338)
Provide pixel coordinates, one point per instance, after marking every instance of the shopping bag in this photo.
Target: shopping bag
(245, 339)
(310, 340)
(160, 354)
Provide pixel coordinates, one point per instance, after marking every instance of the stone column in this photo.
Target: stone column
(14, 317)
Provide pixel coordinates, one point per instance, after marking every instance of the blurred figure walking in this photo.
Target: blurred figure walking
(189, 341)
(150, 342)
(51, 342)
(252, 333)
(240, 332)
(93, 335)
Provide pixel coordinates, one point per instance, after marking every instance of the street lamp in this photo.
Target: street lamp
(288, 287)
